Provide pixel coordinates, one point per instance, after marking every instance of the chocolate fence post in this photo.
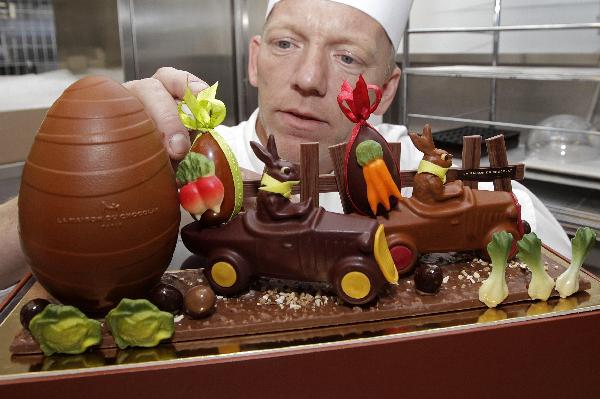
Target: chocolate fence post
(309, 172)
(471, 156)
(337, 154)
(498, 158)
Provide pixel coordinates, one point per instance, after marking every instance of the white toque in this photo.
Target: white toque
(391, 14)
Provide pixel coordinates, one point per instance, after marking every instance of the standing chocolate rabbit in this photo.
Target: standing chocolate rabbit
(430, 185)
(273, 199)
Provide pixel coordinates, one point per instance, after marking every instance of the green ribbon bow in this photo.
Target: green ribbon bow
(206, 111)
(273, 185)
(429, 167)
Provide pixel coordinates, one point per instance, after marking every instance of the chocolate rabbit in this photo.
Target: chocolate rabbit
(430, 185)
(272, 205)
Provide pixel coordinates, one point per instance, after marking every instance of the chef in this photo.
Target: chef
(306, 50)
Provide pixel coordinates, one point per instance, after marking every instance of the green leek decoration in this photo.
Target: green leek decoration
(494, 290)
(568, 282)
(530, 253)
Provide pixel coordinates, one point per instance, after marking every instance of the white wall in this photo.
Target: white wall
(470, 13)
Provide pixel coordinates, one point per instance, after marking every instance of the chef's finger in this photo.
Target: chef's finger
(175, 81)
(161, 107)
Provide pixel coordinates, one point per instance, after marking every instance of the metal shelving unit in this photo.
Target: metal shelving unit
(494, 72)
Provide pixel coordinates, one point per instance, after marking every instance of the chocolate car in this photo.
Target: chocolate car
(283, 239)
(348, 251)
(458, 224)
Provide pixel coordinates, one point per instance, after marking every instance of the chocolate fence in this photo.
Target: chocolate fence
(312, 183)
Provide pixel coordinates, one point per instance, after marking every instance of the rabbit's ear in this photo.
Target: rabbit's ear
(261, 153)
(423, 142)
(272, 147)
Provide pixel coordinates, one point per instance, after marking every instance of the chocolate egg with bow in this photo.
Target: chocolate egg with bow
(372, 180)
(205, 112)
(98, 208)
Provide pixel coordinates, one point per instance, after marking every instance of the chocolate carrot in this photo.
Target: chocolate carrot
(380, 185)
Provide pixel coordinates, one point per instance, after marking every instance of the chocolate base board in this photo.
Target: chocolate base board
(274, 306)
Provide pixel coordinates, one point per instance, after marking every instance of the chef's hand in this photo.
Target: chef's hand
(159, 94)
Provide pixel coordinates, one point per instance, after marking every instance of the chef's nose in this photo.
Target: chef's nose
(310, 76)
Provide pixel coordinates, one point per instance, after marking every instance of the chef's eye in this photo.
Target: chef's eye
(286, 170)
(346, 59)
(284, 44)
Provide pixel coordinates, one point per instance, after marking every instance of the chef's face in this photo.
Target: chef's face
(308, 48)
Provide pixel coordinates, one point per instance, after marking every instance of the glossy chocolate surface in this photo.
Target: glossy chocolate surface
(199, 301)
(311, 248)
(98, 208)
(356, 186)
(286, 307)
(208, 146)
(458, 224)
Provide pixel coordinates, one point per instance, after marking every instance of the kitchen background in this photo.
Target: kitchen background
(555, 73)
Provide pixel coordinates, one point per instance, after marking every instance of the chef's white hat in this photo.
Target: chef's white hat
(391, 14)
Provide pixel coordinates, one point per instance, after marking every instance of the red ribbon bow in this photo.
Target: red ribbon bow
(359, 104)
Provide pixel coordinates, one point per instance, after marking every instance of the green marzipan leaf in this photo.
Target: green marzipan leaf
(530, 250)
(582, 243)
(368, 151)
(64, 329)
(137, 322)
(499, 248)
(194, 166)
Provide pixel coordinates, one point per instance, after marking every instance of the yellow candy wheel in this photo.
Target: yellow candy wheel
(357, 284)
(223, 274)
(228, 273)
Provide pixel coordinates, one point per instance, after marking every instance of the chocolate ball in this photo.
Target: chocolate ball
(32, 309)
(428, 278)
(199, 301)
(167, 298)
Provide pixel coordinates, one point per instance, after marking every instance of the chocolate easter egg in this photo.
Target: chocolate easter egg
(227, 170)
(98, 207)
(356, 186)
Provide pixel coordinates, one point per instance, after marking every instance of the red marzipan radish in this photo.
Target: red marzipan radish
(202, 194)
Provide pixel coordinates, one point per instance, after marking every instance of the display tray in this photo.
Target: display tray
(237, 333)
(275, 305)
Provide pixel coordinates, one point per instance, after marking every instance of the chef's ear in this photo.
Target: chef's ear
(389, 91)
(254, 48)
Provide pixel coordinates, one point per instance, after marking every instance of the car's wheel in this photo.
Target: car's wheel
(227, 272)
(356, 282)
(404, 253)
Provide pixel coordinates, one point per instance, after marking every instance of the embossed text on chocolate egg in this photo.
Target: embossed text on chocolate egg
(98, 208)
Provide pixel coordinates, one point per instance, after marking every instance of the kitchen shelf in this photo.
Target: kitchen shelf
(571, 175)
(485, 122)
(507, 28)
(509, 72)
